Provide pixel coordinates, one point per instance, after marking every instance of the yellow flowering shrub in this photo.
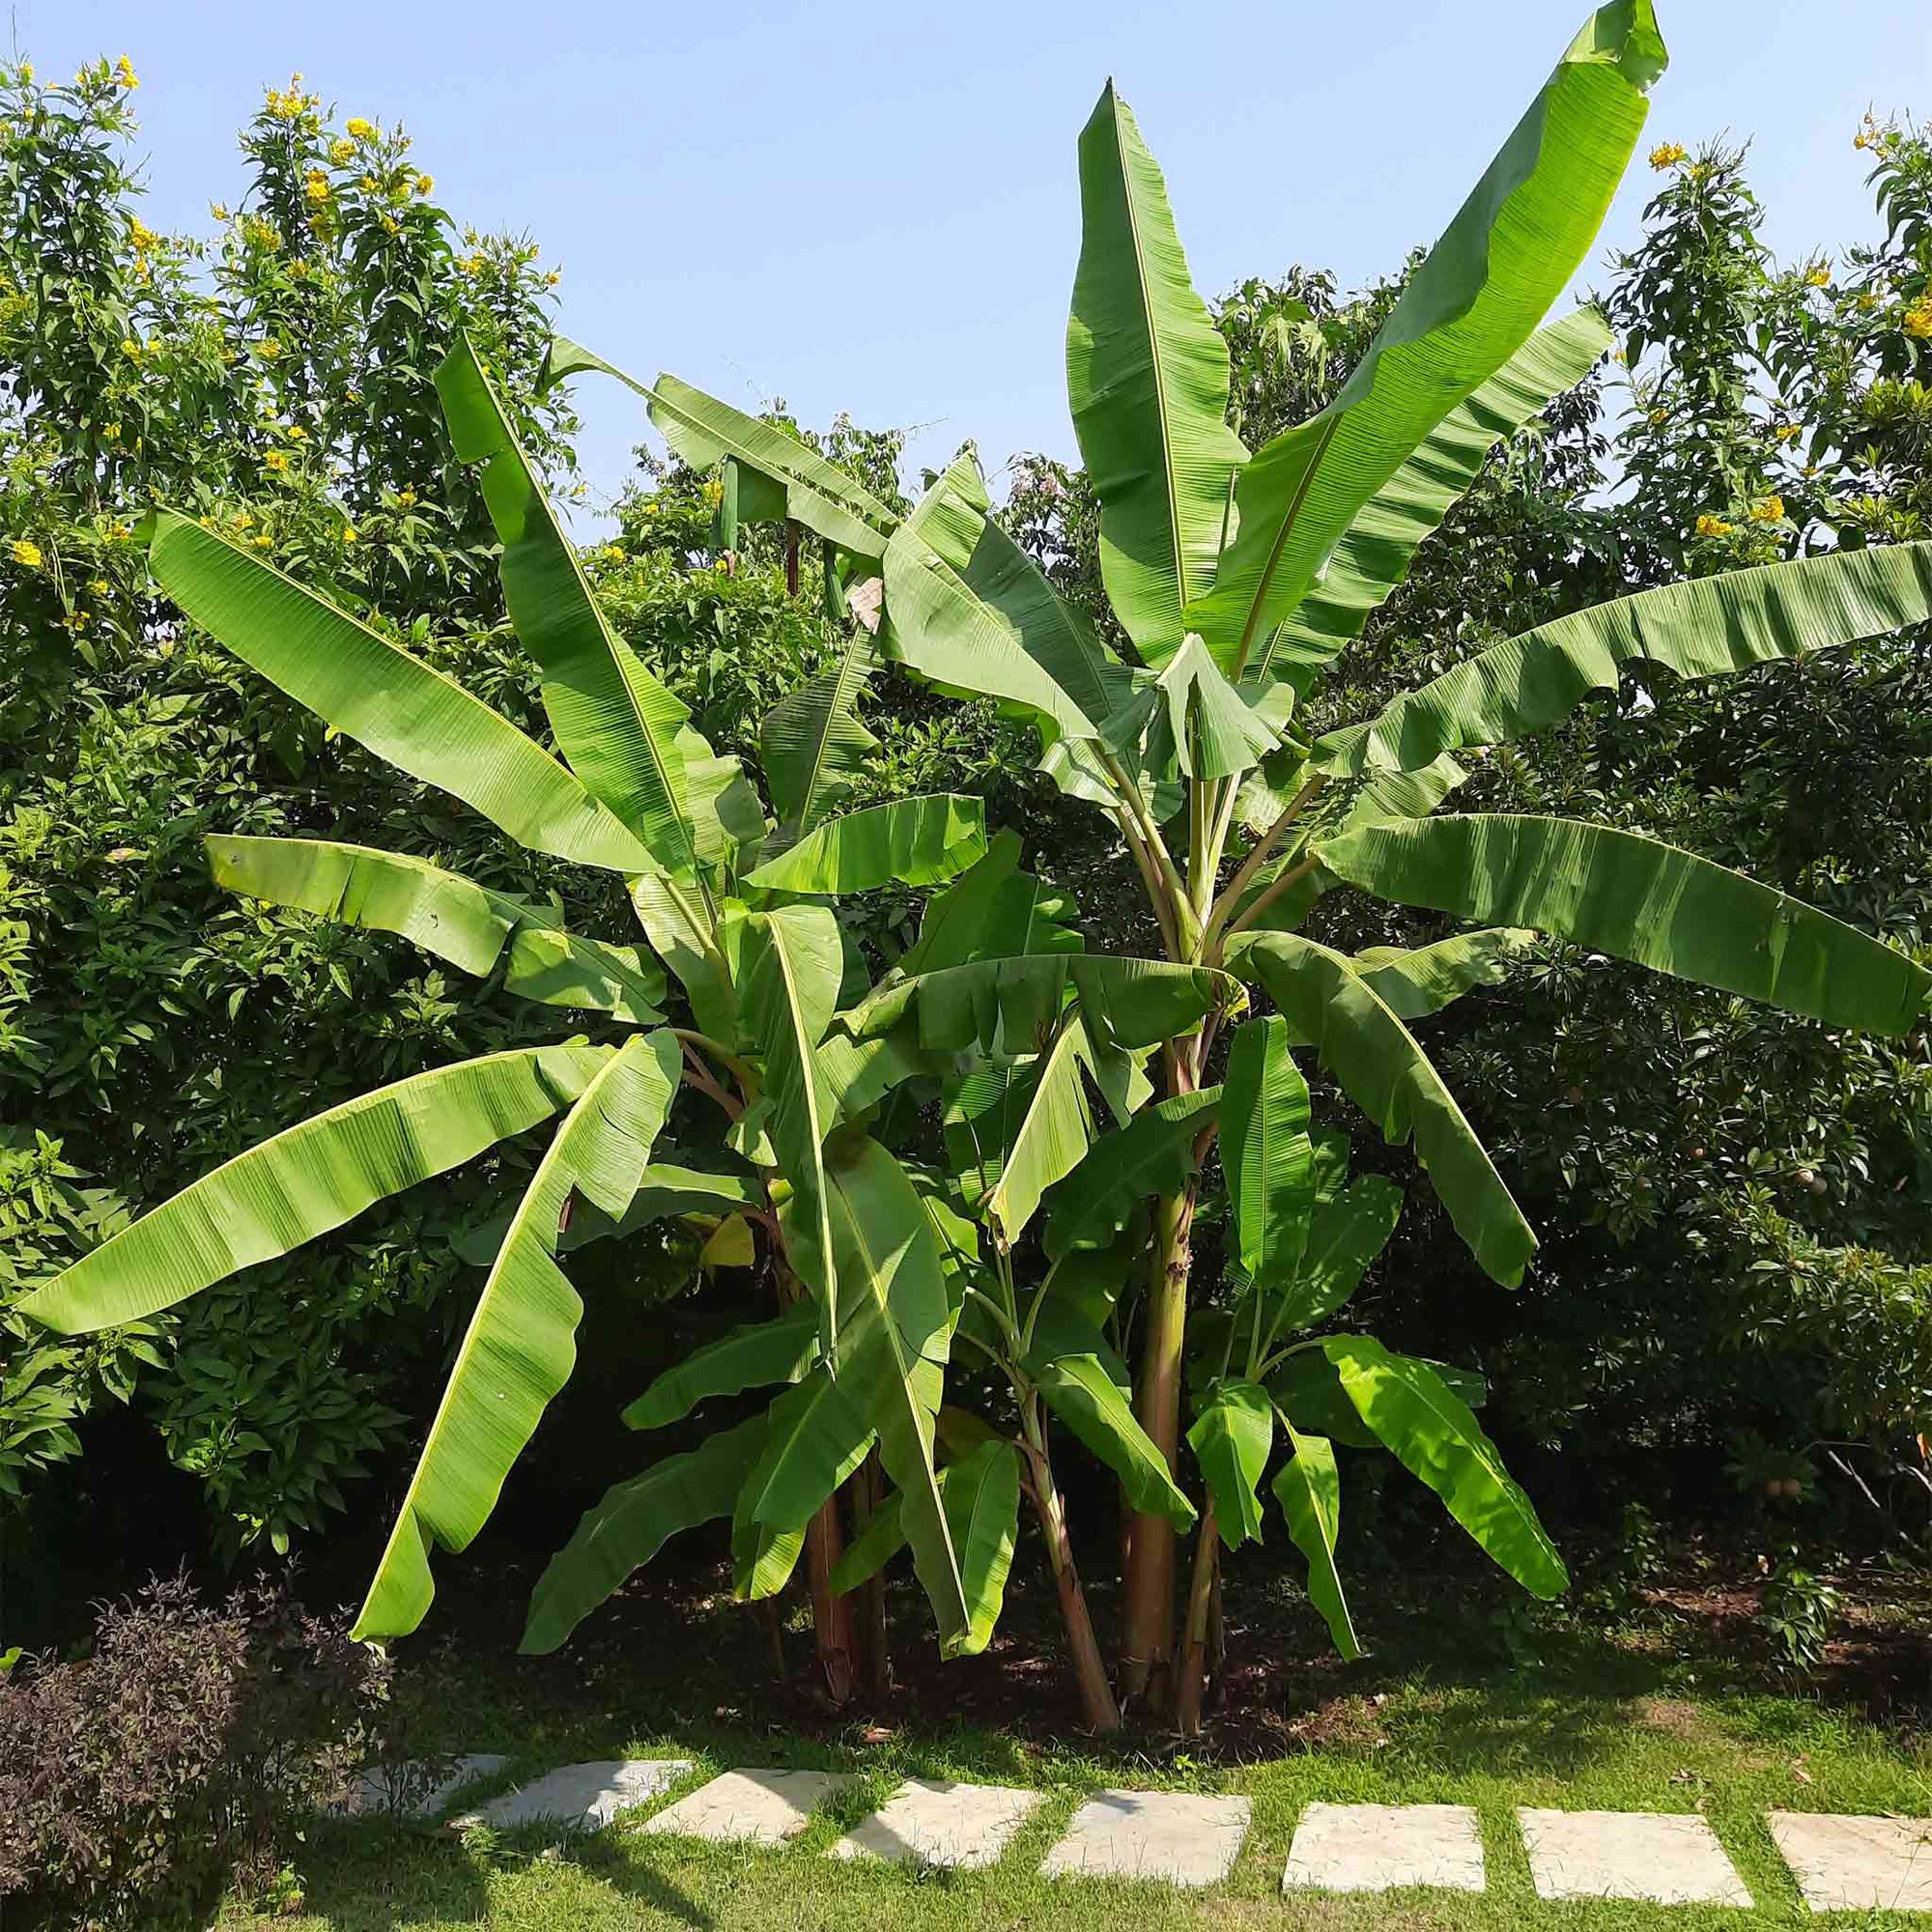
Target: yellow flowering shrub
(1709, 525)
(26, 552)
(1667, 153)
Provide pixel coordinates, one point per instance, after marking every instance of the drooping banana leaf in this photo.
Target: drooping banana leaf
(1702, 628)
(972, 614)
(1231, 1439)
(520, 1344)
(445, 914)
(872, 1549)
(1510, 251)
(991, 912)
(1081, 1392)
(894, 1331)
(816, 1433)
(665, 1189)
(616, 724)
(679, 936)
(1435, 1436)
(778, 1351)
(1375, 554)
(797, 482)
(1346, 1232)
(1153, 1156)
(984, 1101)
(813, 743)
(1634, 897)
(856, 1074)
(913, 841)
(982, 1495)
(309, 1178)
(1308, 1392)
(793, 963)
(631, 1524)
(1265, 1151)
(1419, 981)
(370, 689)
(1137, 1002)
(1146, 376)
(1362, 1042)
(1309, 1491)
(1052, 1136)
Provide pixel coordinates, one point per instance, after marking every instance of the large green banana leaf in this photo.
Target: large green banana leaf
(1638, 898)
(1346, 1232)
(1018, 1000)
(1364, 1044)
(856, 1074)
(1375, 554)
(872, 1549)
(778, 1351)
(792, 964)
(1309, 1491)
(1419, 981)
(1230, 1438)
(679, 938)
(816, 1433)
(1698, 629)
(1510, 251)
(616, 724)
(1084, 1395)
(984, 1100)
(971, 613)
(813, 743)
(1433, 1435)
(799, 483)
(311, 1178)
(445, 914)
(913, 841)
(1153, 1155)
(1265, 1151)
(369, 690)
(1052, 1135)
(895, 1328)
(992, 912)
(1146, 376)
(982, 1495)
(520, 1344)
(631, 1523)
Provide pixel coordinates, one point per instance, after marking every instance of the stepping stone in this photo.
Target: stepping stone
(584, 1796)
(1669, 1858)
(377, 1790)
(1177, 1835)
(936, 1822)
(757, 1808)
(1378, 1847)
(1857, 1865)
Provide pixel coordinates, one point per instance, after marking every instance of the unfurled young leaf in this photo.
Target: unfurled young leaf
(1230, 1438)
(1265, 1151)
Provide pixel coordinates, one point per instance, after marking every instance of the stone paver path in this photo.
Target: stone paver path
(1378, 1847)
(1669, 1858)
(378, 1790)
(1857, 1865)
(938, 1822)
(587, 1796)
(1177, 1835)
(758, 1808)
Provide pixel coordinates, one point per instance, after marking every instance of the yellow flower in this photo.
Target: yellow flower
(1918, 317)
(295, 433)
(121, 532)
(1660, 417)
(551, 279)
(110, 432)
(277, 460)
(368, 183)
(1819, 277)
(220, 210)
(75, 620)
(1789, 432)
(26, 70)
(263, 541)
(359, 130)
(714, 492)
(425, 184)
(350, 533)
(100, 587)
(26, 554)
(267, 348)
(1667, 154)
(242, 520)
(132, 349)
(390, 225)
(341, 148)
(317, 189)
(124, 74)
(1709, 525)
(613, 554)
(1767, 509)
(407, 498)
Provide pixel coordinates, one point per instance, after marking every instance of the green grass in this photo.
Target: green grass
(1494, 1745)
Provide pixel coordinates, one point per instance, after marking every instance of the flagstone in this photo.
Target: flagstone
(585, 1796)
(1856, 1864)
(378, 1790)
(937, 1822)
(1669, 1858)
(759, 1807)
(1177, 1835)
(1380, 1847)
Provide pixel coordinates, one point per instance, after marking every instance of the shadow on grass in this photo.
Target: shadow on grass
(374, 1876)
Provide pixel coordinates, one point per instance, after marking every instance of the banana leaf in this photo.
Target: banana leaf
(521, 1345)
(1265, 1153)
(1510, 251)
(1438, 1439)
(370, 689)
(1423, 981)
(778, 1351)
(1364, 1044)
(445, 914)
(1153, 1156)
(1346, 1232)
(990, 912)
(1638, 898)
(910, 842)
(1200, 722)
(631, 1524)
(1084, 1395)
(1146, 376)
(1052, 1136)
(1309, 1491)
(816, 1433)
(1702, 628)
(813, 744)
(309, 1178)
(679, 937)
(982, 1496)
(872, 1549)
(1231, 1439)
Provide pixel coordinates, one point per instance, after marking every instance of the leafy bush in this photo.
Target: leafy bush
(180, 1757)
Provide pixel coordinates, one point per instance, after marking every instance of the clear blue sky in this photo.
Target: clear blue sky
(872, 207)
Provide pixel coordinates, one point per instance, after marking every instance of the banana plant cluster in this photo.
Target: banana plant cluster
(1239, 578)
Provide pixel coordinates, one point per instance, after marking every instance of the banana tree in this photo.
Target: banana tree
(1239, 577)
